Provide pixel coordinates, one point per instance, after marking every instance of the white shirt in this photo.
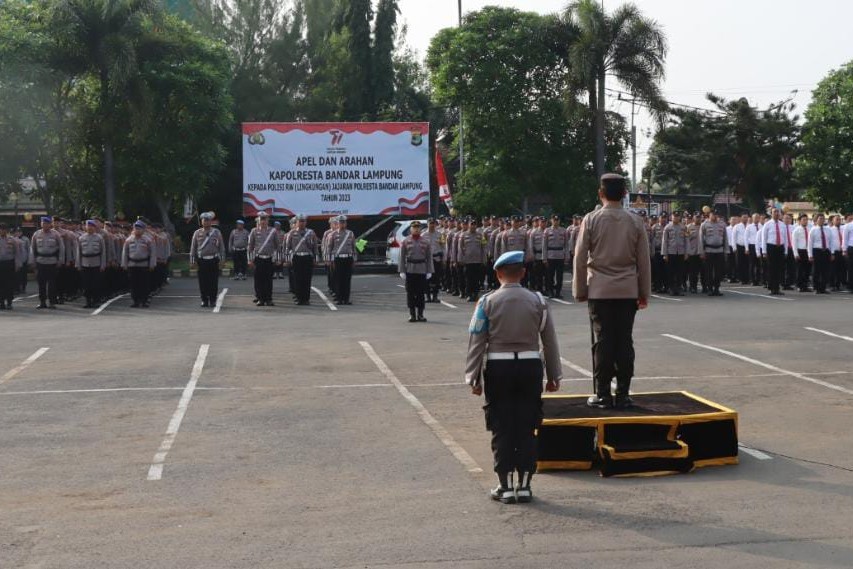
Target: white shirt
(730, 234)
(751, 233)
(837, 235)
(847, 236)
(815, 240)
(800, 238)
(739, 232)
(768, 235)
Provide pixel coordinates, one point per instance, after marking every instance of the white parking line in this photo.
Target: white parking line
(24, 365)
(577, 368)
(818, 330)
(103, 307)
(767, 296)
(561, 301)
(328, 302)
(20, 298)
(448, 305)
(659, 297)
(219, 300)
(460, 453)
(112, 390)
(155, 472)
(755, 453)
(753, 361)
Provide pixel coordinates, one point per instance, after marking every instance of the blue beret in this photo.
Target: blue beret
(510, 258)
(277, 224)
(139, 224)
(92, 222)
(47, 219)
(241, 222)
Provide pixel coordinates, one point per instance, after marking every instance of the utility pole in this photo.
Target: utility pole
(461, 128)
(633, 102)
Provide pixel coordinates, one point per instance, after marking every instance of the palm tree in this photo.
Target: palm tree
(101, 38)
(625, 44)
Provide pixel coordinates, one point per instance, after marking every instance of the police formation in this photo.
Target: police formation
(771, 249)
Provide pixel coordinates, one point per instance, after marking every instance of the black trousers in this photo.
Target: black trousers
(263, 279)
(91, 278)
(659, 272)
(140, 283)
(612, 323)
(675, 267)
(714, 266)
(208, 279)
(437, 277)
(742, 265)
(694, 270)
(241, 262)
(731, 265)
(46, 277)
(775, 266)
(839, 271)
(302, 270)
(491, 276)
(416, 286)
(804, 269)
(754, 264)
(343, 278)
(473, 279)
(554, 279)
(8, 281)
(822, 269)
(790, 269)
(537, 277)
(513, 409)
(850, 268)
(22, 278)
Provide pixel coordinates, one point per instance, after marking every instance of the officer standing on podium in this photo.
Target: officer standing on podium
(207, 248)
(416, 266)
(504, 359)
(612, 273)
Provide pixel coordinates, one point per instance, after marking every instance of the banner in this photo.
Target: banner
(320, 169)
(443, 186)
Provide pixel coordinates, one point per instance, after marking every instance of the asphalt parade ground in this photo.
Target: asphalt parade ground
(337, 437)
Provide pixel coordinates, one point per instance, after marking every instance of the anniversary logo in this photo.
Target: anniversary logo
(335, 168)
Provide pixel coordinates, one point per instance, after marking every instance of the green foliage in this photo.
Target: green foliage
(736, 147)
(826, 164)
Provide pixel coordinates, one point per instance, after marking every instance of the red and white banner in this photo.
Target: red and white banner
(336, 168)
(441, 178)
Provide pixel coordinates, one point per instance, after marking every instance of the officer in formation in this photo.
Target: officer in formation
(340, 253)
(139, 259)
(262, 245)
(207, 249)
(557, 244)
(11, 258)
(302, 249)
(712, 246)
(92, 260)
(48, 252)
(433, 236)
(330, 275)
(416, 268)
(238, 245)
(507, 330)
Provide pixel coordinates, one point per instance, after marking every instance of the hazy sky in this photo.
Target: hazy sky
(759, 49)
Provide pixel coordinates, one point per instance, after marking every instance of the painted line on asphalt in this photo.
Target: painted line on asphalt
(561, 301)
(759, 363)
(659, 297)
(111, 390)
(24, 365)
(219, 300)
(20, 298)
(767, 296)
(325, 299)
(583, 371)
(754, 453)
(448, 305)
(460, 453)
(104, 306)
(155, 472)
(827, 333)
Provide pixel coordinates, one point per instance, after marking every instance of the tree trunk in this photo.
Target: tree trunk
(164, 206)
(600, 151)
(109, 165)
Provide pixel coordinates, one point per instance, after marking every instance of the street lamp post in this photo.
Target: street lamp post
(461, 128)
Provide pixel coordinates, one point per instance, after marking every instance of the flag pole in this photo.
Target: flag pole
(461, 128)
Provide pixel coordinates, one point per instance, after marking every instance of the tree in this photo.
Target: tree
(526, 143)
(624, 44)
(101, 36)
(825, 166)
(733, 147)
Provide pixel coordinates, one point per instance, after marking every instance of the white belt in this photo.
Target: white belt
(210, 257)
(264, 256)
(303, 254)
(512, 356)
(344, 256)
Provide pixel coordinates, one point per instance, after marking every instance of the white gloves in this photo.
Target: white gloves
(403, 276)
(429, 276)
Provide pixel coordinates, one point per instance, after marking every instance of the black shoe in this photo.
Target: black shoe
(787, 288)
(270, 303)
(41, 306)
(145, 305)
(623, 402)
(135, 305)
(51, 306)
(421, 318)
(523, 493)
(599, 402)
(412, 318)
(256, 301)
(205, 304)
(504, 495)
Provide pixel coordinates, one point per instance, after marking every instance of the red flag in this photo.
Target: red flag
(443, 186)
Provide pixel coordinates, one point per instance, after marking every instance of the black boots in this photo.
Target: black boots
(504, 492)
(421, 315)
(412, 317)
(623, 397)
(523, 493)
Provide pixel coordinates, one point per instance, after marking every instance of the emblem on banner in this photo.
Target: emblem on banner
(257, 138)
(417, 137)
